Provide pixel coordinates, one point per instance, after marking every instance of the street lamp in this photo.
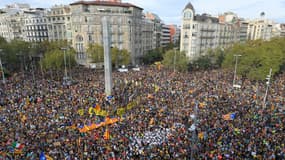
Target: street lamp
(268, 77)
(2, 70)
(174, 63)
(65, 70)
(193, 129)
(236, 58)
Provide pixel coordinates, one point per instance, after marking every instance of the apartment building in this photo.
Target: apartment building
(35, 25)
(19, 21)
(125, 21)
(59, 23)
(11, 21)
(147, 35)
(259, 29)
(157, 29)
(174, 33)
(165, 36)
(199, 33)
(278, 30)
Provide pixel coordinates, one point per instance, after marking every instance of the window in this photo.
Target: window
(187, 15)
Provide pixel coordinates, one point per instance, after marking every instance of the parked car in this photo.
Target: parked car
(123, 69)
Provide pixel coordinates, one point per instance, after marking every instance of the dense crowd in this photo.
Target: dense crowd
(176, 116)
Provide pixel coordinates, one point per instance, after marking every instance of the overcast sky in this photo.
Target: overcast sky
(170, 10)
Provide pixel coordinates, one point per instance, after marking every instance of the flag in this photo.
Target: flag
(80, 112)
(48, 157)
(17, 145)
(90, 111)
(42, 156)
(201, 135)
(107, 134)
(156, 88)
(229, 116)
(97, 109)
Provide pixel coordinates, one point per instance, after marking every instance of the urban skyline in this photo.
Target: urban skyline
(170, 11)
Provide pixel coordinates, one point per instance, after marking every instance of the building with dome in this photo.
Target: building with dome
(200, 33)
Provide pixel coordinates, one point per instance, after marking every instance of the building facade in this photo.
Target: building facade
(174, 33)
(147, 35)
(35, 25)
(165, 36)
(11, 21)
(260, 29)
(199, 33)
(59, 23)
(19, 21)
(157, 29)
(125, 26)
(278, 30)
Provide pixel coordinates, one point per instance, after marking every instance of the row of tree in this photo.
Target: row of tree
(257, 57)
(119, 57)
(19, 55)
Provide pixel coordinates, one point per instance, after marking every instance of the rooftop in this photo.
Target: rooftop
(189, 6)
(105, 3)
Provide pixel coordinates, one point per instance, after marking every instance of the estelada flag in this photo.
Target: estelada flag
(229, 116)
(97, 108)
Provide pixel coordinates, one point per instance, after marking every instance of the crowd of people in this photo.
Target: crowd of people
(175, 116)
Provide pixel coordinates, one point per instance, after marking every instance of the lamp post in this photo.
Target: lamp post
(174, 59)
(65, 70)
(236, 58)
(193, 129)
(2, 70)
(267, 87)
(32, 66)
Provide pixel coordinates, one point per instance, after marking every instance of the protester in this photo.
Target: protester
(195, 115)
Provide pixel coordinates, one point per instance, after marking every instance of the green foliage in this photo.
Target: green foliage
(13, 52)
(120, 57)
(175, 59)
(203, 62)
(213, 59)
(54, 59)
(153, 56)
(96, 53)
(257, 58)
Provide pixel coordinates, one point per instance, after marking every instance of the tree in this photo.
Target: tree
(120, 57)
(177, 60)
(153, 56)
(53, 60)
(212, 59)
(96, 53)
(257, 58)
(14, 53)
